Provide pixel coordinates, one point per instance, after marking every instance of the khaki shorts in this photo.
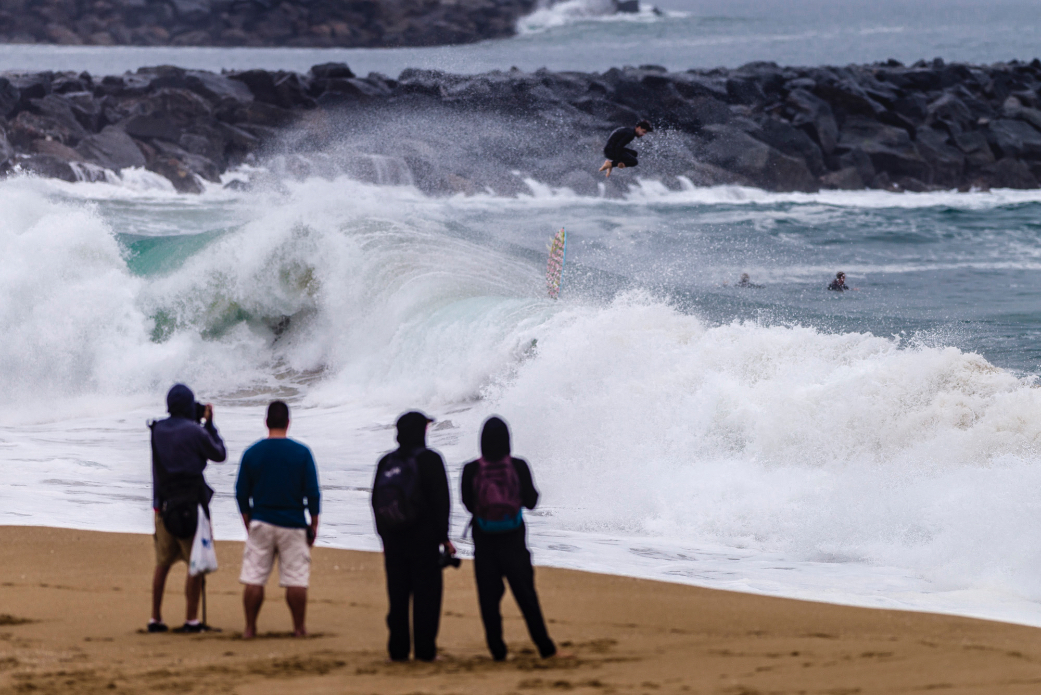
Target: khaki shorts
(169, 549)
(265, 541)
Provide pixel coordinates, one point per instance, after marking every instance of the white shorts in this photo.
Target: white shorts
(264, 543)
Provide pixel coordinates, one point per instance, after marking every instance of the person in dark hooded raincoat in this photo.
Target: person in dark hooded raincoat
(412, 552)
(180, 449)
(501, 551)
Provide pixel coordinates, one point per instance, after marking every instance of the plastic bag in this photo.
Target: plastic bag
(204, 558)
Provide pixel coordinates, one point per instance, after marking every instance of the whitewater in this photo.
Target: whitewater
(876, 448)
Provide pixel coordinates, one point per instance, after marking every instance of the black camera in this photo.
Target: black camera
(200, 412)
(446, 559)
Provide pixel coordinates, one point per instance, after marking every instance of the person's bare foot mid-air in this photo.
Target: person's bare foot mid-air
(618, 155)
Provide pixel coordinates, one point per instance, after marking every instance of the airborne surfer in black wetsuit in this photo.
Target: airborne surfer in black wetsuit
(618, 155)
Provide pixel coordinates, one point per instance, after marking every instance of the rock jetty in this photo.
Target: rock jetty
(885, 126)
(313, 23)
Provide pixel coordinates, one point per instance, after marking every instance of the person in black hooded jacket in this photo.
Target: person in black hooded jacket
(180, 449)
(501, 551)
(411, 551)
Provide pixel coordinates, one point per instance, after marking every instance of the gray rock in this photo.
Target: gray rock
(847, 179)
(327, 71)
(55, 149)
(217, 88)
(1009, 173)
(814, 116)
(977, 150)
(6, 151)
(48, 166)
(1017, 139)
(739, 152)
(28, 126)
(858, 160)
(950, 111)
(10, 96)
(792, 142)
(177, 173)
(59, 110)
(112, 149)
(947, 161)
(890, 149)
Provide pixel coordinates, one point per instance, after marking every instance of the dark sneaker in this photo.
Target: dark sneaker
(157, 627)
(189, 628)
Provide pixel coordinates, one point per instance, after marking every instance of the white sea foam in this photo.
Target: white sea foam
(560, 14)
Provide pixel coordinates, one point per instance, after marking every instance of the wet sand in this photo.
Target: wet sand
(73, 605)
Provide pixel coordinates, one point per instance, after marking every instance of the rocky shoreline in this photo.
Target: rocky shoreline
(886, 126)
(310, 23)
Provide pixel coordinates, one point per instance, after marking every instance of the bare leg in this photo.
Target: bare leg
(605, 165)
(296, 597)
(158, 587)
(192, 592)
(252, 599)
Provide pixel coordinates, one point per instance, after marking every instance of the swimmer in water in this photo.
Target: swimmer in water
(839, 283)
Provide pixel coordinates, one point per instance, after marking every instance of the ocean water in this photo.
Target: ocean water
(880, 447)
(877, 447)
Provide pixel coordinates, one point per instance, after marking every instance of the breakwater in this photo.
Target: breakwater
(886, 126)
(311, 23)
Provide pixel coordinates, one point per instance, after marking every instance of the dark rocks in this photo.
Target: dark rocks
(177, 172)
(890, 149)
(1015, 139)
(763, 165)
(318, 23)
(931, 126)
(112, 149)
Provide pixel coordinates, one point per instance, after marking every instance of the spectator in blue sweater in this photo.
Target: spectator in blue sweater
(277, 480)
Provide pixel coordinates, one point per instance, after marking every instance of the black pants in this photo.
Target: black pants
(412, 573)
(623, 156)
(506, 555)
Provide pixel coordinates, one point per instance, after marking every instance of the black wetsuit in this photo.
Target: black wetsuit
(838, 285)
(411, 556)
(616, 149)
(499, 555)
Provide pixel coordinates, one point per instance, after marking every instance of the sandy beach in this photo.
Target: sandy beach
(73, 605)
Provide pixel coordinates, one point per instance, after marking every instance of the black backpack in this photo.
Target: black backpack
(396, 496)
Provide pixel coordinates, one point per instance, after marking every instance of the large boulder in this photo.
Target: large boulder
(177, 172)
(890, 149)
(791, 141)
(947, 161)
(1013, 138)
(737, 151)
(59, 110)
(951, 112)
(1008, 173)
(6, 151)
(49, 166)
(10, 97)
(112, 149)
(28, 126)
(976, 148)
(814, 116)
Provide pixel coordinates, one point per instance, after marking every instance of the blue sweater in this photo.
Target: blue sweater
(275, 478)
